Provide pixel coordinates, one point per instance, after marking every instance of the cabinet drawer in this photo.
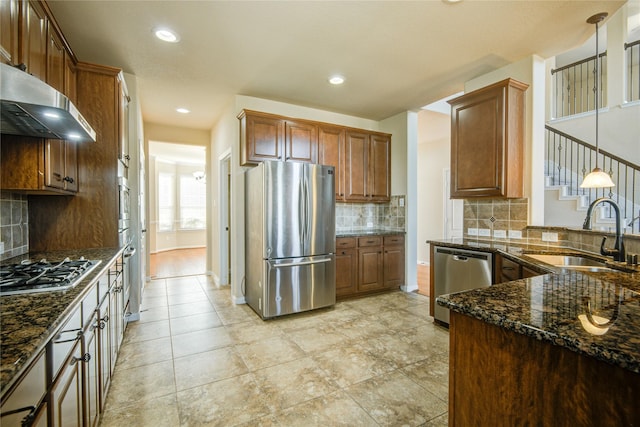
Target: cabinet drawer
(89, 304)
(393, 240)
(27, 394)
(64, 341)
(369, 241)
(346, 242)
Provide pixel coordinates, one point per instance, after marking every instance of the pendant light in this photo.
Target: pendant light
(597, 178)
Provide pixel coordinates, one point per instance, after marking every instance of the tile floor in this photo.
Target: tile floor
(195, 359)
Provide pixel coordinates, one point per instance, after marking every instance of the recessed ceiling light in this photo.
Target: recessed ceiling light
(166, 35)
(182, 110)
(336, 80)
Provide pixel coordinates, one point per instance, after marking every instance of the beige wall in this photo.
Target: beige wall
(434, 154)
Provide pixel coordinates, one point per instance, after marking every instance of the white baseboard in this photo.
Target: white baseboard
(238, 300)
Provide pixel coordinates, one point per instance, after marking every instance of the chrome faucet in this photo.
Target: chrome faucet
(618, 250)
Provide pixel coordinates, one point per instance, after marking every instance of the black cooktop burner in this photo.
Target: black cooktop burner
(40, 276)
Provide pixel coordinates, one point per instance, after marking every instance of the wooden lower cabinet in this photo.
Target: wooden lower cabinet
(67, 392)
(370, 269)
(346, 266)
(368, 264)
(498, 377)
(91, 372)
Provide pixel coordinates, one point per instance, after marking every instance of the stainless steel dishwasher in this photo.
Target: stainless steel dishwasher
(458, 270)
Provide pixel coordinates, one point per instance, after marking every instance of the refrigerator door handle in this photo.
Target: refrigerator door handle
(297, 263)
(301, 208)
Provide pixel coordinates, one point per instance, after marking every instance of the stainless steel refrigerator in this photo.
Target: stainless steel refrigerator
(290, 238)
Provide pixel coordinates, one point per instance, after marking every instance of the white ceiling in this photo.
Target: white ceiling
(395, 55)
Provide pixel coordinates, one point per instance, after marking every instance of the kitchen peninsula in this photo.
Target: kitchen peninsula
(537, 351)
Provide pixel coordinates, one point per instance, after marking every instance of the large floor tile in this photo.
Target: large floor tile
(394, 399)
(137, 331)
(253, 330)
(187, 298)
(432, 374)
(197, 322)
(394, 349)
(223, 403)
(158, 412)
(318, 338)
(336, 409)
(236, 314)
(142, 383)
(291, 383)
(200, 341)
(351, 364)
(207, 367)
(145, 353)
(269, 352)
(153, 314)
(190, 309)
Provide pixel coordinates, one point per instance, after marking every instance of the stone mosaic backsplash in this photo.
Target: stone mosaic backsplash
(14, 228)
(360, 216)
(506, 219)
(495, 218)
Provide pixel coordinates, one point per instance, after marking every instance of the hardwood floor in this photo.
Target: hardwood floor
(179, 262)
(423, 279)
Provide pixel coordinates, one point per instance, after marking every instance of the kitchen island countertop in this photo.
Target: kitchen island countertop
(552, 307)
(28, 321)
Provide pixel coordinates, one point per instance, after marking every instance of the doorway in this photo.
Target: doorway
(225, 217)
(177, 203)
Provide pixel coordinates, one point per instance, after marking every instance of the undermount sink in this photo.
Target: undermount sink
(571, 262)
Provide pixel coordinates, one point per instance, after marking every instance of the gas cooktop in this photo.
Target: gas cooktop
(41, 276)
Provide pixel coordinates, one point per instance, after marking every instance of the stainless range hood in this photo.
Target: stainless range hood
(30, 107)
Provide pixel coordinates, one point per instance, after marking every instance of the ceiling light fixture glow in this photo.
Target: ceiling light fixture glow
(166, 35)
(336, 80)
(182, 110)
(52, 115)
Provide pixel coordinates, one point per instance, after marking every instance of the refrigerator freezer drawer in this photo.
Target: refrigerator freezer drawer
(298, 284)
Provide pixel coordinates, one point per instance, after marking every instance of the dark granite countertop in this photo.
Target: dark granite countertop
(369, 232)
(552, 307)
(28, 321)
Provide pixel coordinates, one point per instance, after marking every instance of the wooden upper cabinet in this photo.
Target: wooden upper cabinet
(9, 24)
(56, 60)
(487, 141)
(38, 166)
(70, 81)
(378, 181)
(261, 137)
(33, 49)
(355, 159)
(301, 141)
(123, 121)
(331, 152)
(362, 159)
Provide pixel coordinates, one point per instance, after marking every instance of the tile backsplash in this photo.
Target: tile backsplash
(360, 216)
(14, 228)
(495, 218)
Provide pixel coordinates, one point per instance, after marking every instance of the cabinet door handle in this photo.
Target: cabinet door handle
(127, 157)
(57, 176)
(76, 338)
(68, 179)
(85, 358)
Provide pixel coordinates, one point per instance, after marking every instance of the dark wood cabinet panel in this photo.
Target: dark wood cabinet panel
(53, 221)
(70, 85)
(9, 24)
(355, 160)
(370, 269)
(379, 168)
(56, 60)
(346, 271)
(33, 49)
(38, 166)
(301, 142)
(331, 152)
(362, 159)
(261, 137)
(505, 378)
(394, 262)
(487, 141)
(369, 264)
